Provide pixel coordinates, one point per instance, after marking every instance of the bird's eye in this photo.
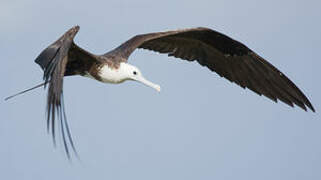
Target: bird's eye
(134, 72)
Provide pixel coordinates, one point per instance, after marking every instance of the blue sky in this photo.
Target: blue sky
(199, 127)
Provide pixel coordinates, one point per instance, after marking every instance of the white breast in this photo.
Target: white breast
(112, 75)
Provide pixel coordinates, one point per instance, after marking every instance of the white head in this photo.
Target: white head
(133, 73)
(123, 73)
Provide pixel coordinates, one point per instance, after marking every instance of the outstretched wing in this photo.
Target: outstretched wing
(60, 59)
(227, 57)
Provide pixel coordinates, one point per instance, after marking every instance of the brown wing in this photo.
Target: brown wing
(227, 57)
(62, 58)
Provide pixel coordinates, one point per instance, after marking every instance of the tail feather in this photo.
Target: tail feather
(22, 92)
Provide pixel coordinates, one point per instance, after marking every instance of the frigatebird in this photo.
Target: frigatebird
(221, 54)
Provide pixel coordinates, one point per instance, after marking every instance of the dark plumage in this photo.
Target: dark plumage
(227, 57)
(221, 54)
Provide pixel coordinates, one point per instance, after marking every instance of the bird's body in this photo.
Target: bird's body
(221, 54)
(106, 74)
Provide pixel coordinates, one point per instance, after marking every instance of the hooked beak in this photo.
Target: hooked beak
(147, 83)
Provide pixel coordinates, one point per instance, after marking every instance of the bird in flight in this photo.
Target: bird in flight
(225, 56)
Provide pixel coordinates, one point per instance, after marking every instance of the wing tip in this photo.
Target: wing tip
(74, 29)
(311, 107)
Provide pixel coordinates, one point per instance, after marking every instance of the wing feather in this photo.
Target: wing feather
(60, 59)
(223, 55)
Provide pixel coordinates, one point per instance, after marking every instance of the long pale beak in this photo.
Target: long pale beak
(147, 83)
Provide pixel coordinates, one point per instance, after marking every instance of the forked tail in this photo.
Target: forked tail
(22, 92)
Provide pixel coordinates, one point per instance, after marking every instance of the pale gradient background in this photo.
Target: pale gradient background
(199, 127)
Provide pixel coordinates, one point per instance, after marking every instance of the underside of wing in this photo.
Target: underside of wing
(227, 57)
(57, 61)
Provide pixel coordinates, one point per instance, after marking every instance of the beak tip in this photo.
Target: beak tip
(158, 88)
